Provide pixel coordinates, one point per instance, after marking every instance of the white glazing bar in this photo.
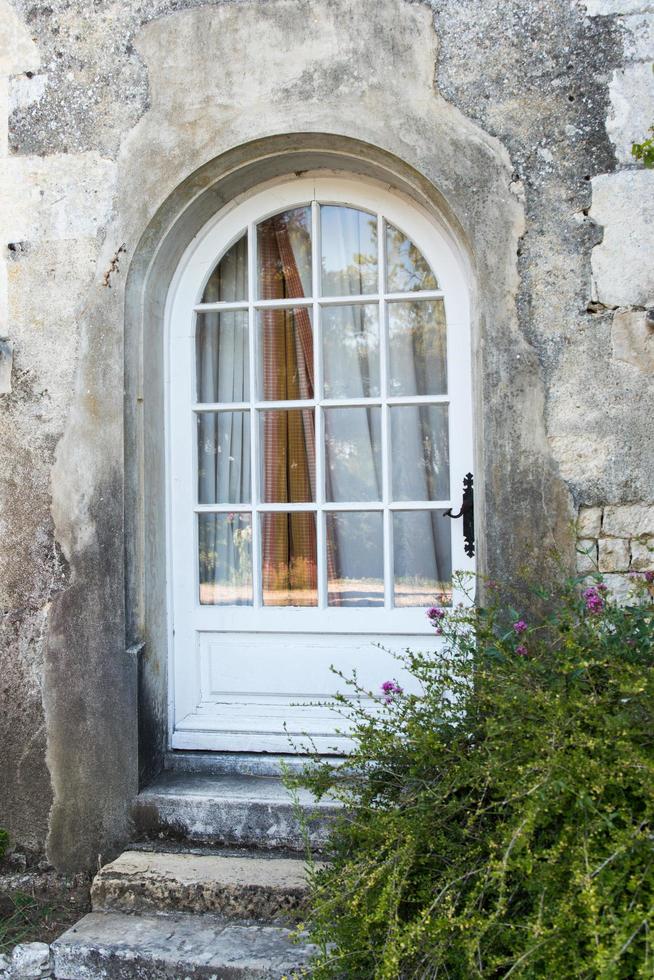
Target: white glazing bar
(385, 419)
(336, 505)
(285, 302)
(221, 406)
(419, 400)
(254, 418)
(219, 307)
(420, 504)
(358, 300)
(418, 294)
(231, 508)
(324, 402)
(285, 508)
(321, 533)
(291, 403)
(375, 297)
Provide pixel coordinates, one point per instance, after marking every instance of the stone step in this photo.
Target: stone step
(231, 811)
(233, 886)
(119, 946)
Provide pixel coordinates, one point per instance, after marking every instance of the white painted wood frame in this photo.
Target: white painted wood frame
(243, 678)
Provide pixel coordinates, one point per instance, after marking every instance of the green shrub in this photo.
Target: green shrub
(501, 823)
(4, 842)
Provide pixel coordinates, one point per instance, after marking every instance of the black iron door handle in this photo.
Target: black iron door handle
(467, 512)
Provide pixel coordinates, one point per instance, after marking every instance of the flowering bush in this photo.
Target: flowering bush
(501, 822)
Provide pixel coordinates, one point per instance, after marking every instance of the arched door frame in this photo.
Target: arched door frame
(436, 242)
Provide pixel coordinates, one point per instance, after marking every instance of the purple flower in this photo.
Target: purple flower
(594, 601)
(520, 626)
(521, 649)
(390, 688)
(649, 577)
(435, 614)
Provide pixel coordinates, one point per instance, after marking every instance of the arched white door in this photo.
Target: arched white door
(319, 424)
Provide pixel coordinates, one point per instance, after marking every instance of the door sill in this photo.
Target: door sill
(239, 763)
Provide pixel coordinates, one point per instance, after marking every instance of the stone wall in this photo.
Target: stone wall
(618, 542)
(515, 118)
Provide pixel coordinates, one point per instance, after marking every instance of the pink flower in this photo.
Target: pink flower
(435, 614)
(649, 577)
(521, 649)
(520, 626)
(390, 688)
(594, 601)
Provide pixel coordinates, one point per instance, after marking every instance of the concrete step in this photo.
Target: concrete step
(251, 886)
(231, 811)
(119, 946)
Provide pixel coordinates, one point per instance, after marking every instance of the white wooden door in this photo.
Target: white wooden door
(319, 350)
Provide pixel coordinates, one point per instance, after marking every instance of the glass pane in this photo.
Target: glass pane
(406, 267)
(288, 457)
(225, 545)
(355, 559)
(349, 251)
(222, 357)
(417, 348)
(422, 558)
(284, 254)
(289, 552)
(353, 454)
(350, 344)
(285, 354)
(228, 283)
(223, 457)
(420, 452)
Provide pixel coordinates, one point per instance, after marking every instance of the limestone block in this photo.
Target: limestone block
(633, 339)
(586, 555)
(589, 522)
(638, 37)
(623, 263)
(6, 362)
(629, 520)
(642, 555)
(59, 197)
(613, 554)
(18, 52)
(31, 961)
(620, 587)
(632, 107)
(597, 8)
(5, 966)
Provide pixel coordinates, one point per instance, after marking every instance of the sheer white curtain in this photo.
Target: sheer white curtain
(222, 364)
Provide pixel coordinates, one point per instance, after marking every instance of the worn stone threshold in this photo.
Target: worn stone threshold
(232, 811)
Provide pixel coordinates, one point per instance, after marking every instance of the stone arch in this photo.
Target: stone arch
(152, 268)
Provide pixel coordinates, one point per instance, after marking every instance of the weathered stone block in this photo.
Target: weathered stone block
(587, 555)
(589, 522)
(639, 36)
(613, 554)
(6, 362)
(632, 102)
(31, 961)
(623, 272)
(642, 555)
(620, 587)
(633, 340)
(596, 8)
(237, 887)
(629, 520)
